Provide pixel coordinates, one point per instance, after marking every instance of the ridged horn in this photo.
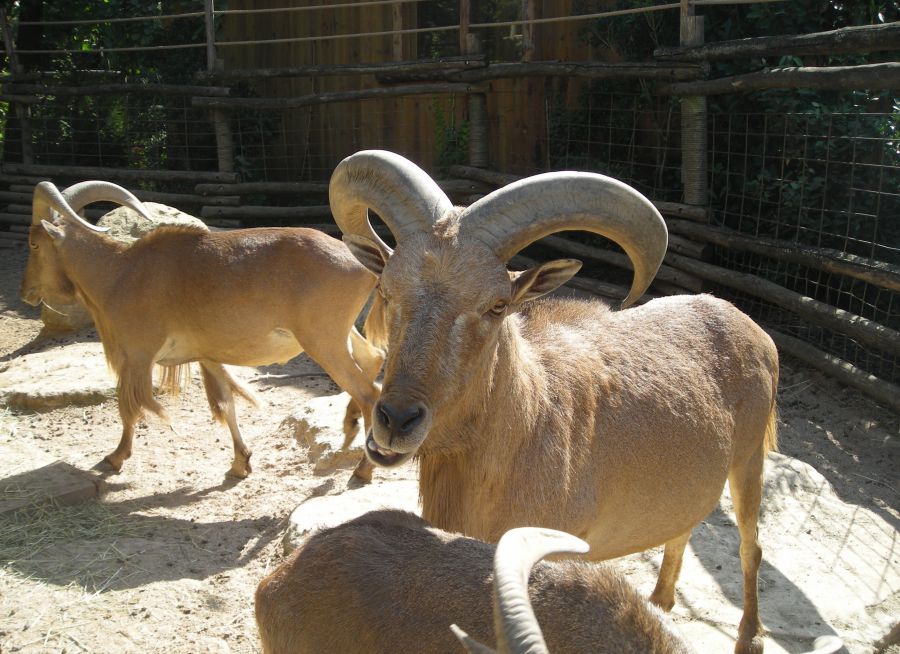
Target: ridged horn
(46, 197)
(515, 624)
(84, 193)
(512, 217)
(401, 193)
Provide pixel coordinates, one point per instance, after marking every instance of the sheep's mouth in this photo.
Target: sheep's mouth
(382, 456)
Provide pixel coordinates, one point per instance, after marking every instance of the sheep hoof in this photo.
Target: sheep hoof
(241, 468)
(364, 470)
(114, 462)
(752, 646)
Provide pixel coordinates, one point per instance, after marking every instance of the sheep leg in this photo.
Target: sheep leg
(135, 392)
(123, 451)
(745, 481)
(219, 391)
(664, 593)
(336, 360)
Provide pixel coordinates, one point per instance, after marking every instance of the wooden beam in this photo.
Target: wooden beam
(587, 69)
(256, 212)
(847, 40)
(878, 336)
(879, 390)
(335, 96)
(619, 260)
(874, 272)
(133, 174)
(107, 89)
(832, 78)
(246, 188)
(393, 68)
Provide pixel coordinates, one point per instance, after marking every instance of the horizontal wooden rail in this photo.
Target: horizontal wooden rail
(133, 174)
(828, 78)
(665, 273)
(587, 69)
(847, 40)
(819, 313)
(274, 188)
(879, 390)
(334, 96)
(391, 68)
(107, 89)
(833, 261)
(256, 212)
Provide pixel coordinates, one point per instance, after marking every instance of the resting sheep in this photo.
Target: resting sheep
(386, 582)
(620, 427)
(244, 297)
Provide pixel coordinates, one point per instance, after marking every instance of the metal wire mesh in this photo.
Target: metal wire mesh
(824, 180)
(814, 178)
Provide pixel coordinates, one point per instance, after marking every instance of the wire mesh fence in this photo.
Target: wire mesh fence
(809, 177)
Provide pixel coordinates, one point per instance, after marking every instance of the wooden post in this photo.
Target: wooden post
(528, 30)
(478, 138)
(693, 120)
(221, 123)
(22, 111)
(397, 41)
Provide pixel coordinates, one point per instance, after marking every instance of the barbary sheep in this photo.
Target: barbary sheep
(387, 582)
(620, 427)
(246, 297)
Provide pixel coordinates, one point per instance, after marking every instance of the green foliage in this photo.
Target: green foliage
(135, 130)
(451, 138)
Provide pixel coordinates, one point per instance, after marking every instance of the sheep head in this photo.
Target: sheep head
(54, 213)
(448, 295)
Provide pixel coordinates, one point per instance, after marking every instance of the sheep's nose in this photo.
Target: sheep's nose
(399, 418)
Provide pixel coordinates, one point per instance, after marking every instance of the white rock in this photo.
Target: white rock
(319, 513)
(318, 427)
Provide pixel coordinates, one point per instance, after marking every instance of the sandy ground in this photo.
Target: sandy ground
(168, 559)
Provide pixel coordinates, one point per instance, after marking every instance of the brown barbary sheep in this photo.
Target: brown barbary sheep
(179, 294)
(620, 427)
(387, 582)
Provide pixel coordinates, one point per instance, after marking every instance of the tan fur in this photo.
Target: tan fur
(245, 297)
(387, 582)
(620, 427)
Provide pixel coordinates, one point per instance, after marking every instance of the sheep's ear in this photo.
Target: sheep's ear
(471, 645)
(371, 254)
(56, 233)
(547, 277)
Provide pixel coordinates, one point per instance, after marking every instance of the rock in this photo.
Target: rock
(124, 225)
(64, 319)
(317, 427)
(76, 374)
(319, 513)
(127, 225)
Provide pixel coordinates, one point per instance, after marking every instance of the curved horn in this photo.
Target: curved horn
(515, 624)
(84, 193)
(46, 197)
(516, 215)
(401, 193)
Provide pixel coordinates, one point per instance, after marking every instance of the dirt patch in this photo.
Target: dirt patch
(169, 557)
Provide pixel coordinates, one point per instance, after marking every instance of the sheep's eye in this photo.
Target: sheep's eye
(499, 308)
(32, 245)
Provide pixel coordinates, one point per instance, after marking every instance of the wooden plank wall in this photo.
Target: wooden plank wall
(318, 137)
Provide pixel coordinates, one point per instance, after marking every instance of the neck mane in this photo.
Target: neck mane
(453, 483)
